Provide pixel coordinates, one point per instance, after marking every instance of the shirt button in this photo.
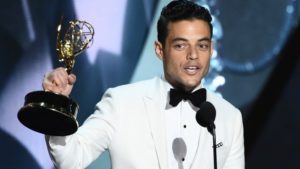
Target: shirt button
(184, 126)
(182, 159)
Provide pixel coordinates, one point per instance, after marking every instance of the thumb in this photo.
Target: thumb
(71, 79)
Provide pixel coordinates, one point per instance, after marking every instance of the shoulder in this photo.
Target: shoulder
(126, 95)
(229, 129)
(140, 88)
(224, 109)
(229, 121)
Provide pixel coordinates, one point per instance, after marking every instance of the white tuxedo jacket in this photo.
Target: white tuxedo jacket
(130, 123)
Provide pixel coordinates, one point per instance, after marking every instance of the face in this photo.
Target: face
(186, 53)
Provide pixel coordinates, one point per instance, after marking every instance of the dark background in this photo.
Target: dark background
(261, 34)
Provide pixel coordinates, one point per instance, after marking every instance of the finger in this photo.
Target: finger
(47, 85)
(58, 77)
(56, 80)
(71, 79)
(49, 76)
(61, 78)
(67, 91)
(50, 87)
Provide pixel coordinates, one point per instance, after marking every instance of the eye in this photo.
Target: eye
(180, 46)
(204, 46)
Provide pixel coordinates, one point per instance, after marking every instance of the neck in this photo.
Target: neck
(183, 88)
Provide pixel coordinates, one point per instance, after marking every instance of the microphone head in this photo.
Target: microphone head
(206, 115)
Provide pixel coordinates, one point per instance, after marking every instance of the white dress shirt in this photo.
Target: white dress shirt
(182, 131)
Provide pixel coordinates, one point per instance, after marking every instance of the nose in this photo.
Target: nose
(192, 54)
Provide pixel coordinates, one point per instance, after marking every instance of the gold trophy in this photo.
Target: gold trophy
(55, 114)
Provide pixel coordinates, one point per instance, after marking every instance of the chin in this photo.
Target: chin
(190, 86)
(192, 82)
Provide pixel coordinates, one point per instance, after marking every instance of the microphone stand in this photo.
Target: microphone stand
(211, 129)
(205, 117)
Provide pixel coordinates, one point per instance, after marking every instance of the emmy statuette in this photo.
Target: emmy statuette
(51, 113)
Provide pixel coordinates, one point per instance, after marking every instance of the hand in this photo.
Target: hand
(58, 81)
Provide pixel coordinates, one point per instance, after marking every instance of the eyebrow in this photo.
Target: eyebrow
(199, 40)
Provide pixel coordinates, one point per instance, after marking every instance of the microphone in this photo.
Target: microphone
(206, 116)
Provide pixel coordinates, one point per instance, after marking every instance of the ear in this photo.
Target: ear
(158, 49)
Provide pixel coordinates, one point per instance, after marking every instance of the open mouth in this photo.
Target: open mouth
(191, 69)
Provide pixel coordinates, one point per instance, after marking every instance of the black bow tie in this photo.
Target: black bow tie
(197, 97)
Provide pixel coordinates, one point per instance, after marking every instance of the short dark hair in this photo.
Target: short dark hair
(178, 10)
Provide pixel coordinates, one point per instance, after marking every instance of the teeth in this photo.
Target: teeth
(192, 68)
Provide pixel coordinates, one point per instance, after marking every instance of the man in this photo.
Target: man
(139, 123)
